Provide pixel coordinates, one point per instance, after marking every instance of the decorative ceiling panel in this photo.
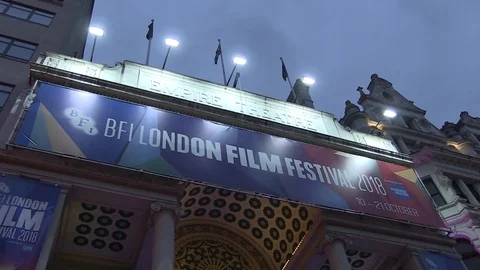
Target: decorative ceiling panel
(103, 231)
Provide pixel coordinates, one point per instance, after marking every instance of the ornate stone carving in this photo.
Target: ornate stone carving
(464, 114)
(203, 246)
(208, 254)
(331, 237)
(360, 89)
(28, 100)
(448, 127)
(468, 119)
(158, 206)
(91, 72)
(350, 108)
(444, 181)
(52, 62)
(381, 83)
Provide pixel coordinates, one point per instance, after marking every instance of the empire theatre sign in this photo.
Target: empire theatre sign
(195, 90)
(229, 101)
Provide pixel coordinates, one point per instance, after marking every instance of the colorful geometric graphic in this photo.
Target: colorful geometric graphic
(102, 129)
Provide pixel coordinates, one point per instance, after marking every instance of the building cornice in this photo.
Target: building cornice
(444, 155)
(414, 134)
(370, 97)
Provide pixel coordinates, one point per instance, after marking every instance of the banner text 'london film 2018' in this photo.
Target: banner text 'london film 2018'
(98, 128)
(26, 210)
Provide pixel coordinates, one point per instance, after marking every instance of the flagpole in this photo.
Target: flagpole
(237, 76)
(293, 91)
(148, 50)
(223, 66)
(289, 82)
(231, 74)
(166, 57)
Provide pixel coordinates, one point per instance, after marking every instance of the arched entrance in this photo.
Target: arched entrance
(234, 230)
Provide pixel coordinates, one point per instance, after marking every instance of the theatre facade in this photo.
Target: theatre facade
(132, 167)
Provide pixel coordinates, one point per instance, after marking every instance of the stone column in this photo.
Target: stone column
(52, 232)
(335, 248)
(403, 147)
(415, 125)
(472, 138)
(463, 187)
(165, 215)
(477, 188)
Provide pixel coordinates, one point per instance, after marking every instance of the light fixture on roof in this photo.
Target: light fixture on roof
(170, 42)
(389, 113)
(308, 81)
(96, 32)
(238, 61)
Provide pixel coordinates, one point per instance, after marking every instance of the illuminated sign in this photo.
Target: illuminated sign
(218, 96)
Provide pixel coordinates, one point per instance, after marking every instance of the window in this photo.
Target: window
(434, 192)
(5, 91)
(25, 13)
(16, 49)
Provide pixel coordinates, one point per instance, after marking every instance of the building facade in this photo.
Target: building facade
(31, 27)
(149, 169)
(445, 159)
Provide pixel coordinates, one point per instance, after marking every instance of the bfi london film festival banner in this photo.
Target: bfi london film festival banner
(26, 211)
(102, 129)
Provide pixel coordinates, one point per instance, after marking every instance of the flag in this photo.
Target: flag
(150, 31)
(284, 71)
(218, 52)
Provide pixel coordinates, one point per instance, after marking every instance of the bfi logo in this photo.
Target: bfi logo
(81, 121)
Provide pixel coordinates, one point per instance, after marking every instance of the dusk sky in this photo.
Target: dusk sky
(429, 50)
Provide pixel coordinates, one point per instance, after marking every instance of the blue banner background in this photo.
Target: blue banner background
(20, 250)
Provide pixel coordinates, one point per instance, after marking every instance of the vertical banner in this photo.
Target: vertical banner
(26, 211)
(435, 261)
